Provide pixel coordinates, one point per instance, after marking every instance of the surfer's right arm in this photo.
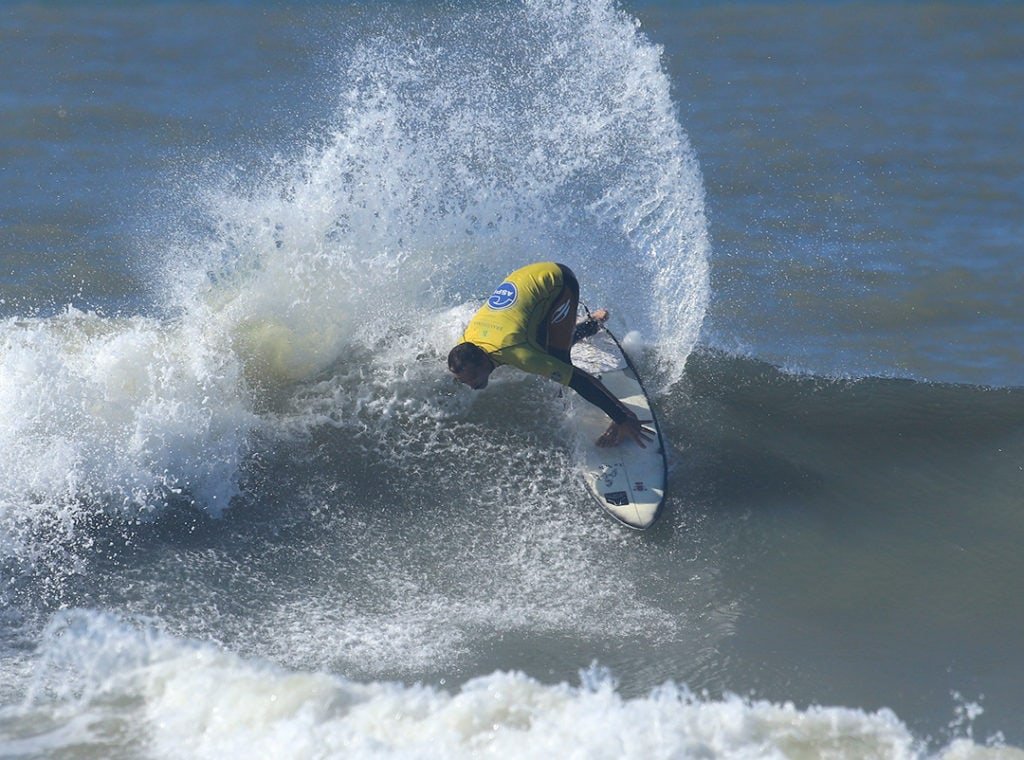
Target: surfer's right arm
(623, 420)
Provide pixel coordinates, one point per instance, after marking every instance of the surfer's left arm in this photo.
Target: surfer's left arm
(623, 420)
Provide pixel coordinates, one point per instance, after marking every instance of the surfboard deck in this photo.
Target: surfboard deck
(627, 481)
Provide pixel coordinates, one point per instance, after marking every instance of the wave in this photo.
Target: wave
(113, 687)
(125, 413)
(762, 396)
(752, 434)
(326, 287)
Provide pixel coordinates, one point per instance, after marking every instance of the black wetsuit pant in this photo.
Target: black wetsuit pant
(558, 332)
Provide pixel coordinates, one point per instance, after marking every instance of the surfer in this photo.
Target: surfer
(529, 322)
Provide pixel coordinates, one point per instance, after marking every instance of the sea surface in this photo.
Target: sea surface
(244, 512)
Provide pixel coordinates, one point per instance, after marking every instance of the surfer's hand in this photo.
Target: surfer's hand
(628, 428)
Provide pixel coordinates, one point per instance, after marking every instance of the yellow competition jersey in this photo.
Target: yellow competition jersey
(506, 326)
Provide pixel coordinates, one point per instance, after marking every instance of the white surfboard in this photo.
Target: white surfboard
(628, 481)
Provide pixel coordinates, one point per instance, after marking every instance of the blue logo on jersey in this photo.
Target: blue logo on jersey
(504, 296)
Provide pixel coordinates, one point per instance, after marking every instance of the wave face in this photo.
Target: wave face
(349, 563)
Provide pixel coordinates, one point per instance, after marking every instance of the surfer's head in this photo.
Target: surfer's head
(470, 365)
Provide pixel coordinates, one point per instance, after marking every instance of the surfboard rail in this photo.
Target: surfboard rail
(629, 482)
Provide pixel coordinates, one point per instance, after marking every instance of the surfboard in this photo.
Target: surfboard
(626, 480)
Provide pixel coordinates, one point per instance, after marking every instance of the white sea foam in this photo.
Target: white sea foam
(107, 684)
(121, 411)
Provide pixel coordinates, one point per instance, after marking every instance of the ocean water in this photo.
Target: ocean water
(245, 513)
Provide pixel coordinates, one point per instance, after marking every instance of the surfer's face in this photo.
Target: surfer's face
(475, 376)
